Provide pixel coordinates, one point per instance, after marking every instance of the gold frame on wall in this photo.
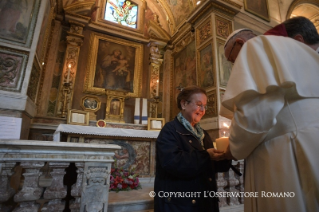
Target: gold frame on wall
(85, 104)
(204, 31)
(114, 44)
(263, 7)
(199, 77)
(82, 121)
(149, 123)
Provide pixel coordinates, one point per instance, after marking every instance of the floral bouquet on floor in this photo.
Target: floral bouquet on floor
(123, 180)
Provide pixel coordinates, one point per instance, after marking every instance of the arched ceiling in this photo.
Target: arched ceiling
(308, 10)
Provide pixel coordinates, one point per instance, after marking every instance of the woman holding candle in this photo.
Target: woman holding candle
(186, 162)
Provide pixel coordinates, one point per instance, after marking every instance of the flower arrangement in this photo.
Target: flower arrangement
(123, 180)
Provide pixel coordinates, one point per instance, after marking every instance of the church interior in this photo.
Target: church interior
(86, 85)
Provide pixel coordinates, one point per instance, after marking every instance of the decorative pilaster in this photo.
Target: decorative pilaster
(75, 40)
(155, 65)
(76, 189)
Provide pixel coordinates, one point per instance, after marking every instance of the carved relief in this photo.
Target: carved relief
(12, 66)
(204, 32)
(95, 194)
(223, 27)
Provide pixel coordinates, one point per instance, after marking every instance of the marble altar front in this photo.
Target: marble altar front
(138, 146)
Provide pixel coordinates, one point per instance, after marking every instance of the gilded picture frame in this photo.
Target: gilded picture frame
(114, 64)
(259, 8)
(78, 117)
(224, 66)
(206, 76)
(90, 103)
(155, 124)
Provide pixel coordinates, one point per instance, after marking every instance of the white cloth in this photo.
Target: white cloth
(281, 152)
(102, 131)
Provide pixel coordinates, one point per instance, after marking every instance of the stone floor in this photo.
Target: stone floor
(140, 201)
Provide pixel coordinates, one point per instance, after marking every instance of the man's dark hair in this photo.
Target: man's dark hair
(304, 27)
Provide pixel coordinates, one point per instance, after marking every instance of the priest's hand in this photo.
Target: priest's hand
(216, 154)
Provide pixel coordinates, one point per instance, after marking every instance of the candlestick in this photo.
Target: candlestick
(157, 87)
(68, 77)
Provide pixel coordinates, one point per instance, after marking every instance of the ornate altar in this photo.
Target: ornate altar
(138, 146)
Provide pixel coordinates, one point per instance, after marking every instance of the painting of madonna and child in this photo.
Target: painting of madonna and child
(114, 66)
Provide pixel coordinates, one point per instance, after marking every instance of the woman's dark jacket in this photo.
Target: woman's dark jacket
(182, 165)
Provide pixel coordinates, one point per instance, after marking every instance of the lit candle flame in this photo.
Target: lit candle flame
(224, 134)
(226, 125)
(69, 65)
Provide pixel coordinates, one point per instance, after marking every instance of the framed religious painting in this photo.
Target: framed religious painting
(206, 67)
(18, 20)
(114, 64)
(224, 66)
(258, 8)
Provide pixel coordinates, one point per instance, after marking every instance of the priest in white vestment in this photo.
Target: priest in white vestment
(273, 92)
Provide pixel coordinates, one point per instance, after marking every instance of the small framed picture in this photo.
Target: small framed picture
(155, 123)
(90, 103)
(78, 117)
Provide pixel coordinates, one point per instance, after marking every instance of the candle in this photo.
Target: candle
(68, 77)
(157, 87)
(222, 143)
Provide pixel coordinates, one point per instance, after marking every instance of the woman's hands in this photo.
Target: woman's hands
(220, 155)
(216, 154)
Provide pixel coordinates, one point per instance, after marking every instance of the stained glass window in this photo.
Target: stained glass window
(121, 12)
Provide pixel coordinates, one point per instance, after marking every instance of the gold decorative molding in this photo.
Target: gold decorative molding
(214, 6)
(187, 39)
(157, 32)
(185, 29)
(233, 4)
(223, 27)
(204, 31)
(115, 30)
(82, 8)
